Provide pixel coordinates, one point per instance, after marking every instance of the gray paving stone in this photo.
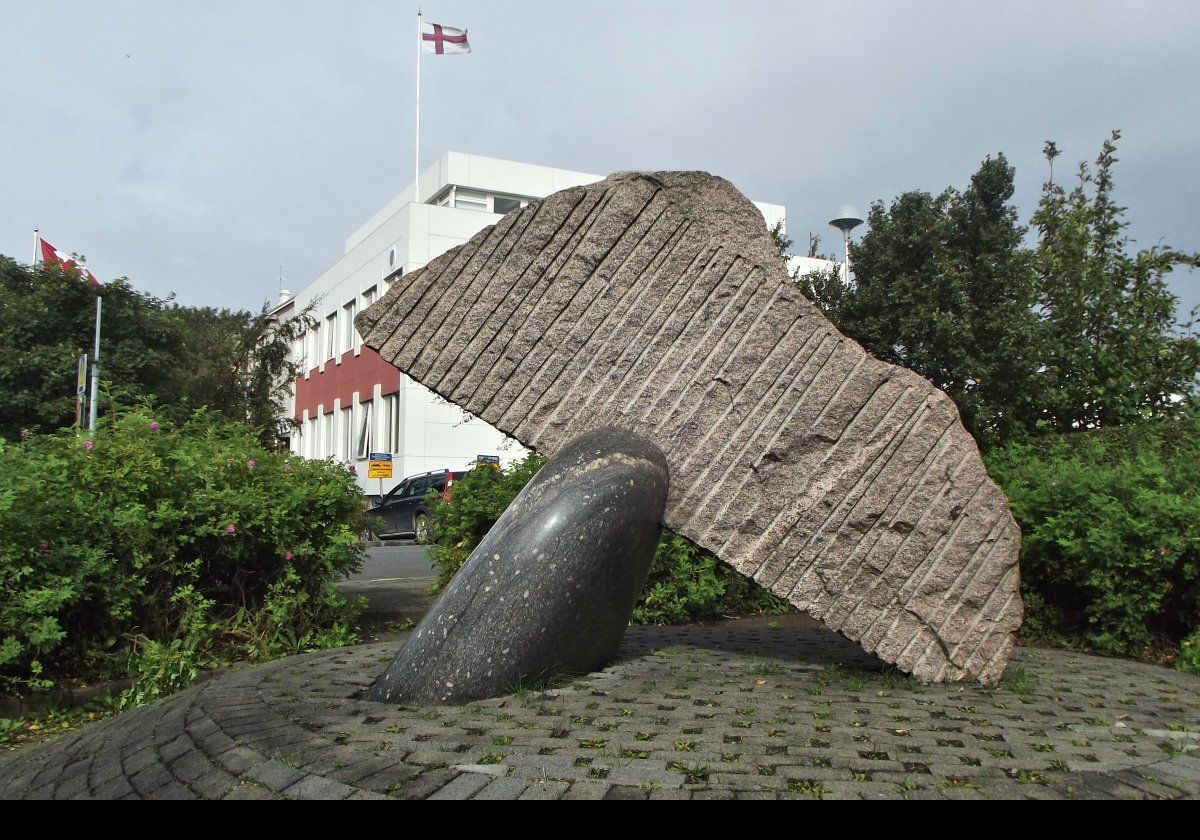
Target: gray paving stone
(274, 774)
(464, 786)
(214, 784)
(545, 790)
(504, 788)
(803, 727)
(314, 787)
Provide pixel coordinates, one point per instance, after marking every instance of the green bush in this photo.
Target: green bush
(1188, 658)
(1110, 553)
(686, 584)
(157, 551)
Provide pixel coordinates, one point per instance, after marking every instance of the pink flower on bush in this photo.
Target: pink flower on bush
(42, 546)
(288, 556)
(229, 529)
(251, 463)
(153, 426)
(89, 446)
(287, 467)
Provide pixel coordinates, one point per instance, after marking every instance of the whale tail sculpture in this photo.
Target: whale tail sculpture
(657, 303)
(551, 587)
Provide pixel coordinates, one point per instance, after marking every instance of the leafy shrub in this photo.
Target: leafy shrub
(688, 584)
(1111, 548)
(685, 584)
(1189, 654)
(112, 552)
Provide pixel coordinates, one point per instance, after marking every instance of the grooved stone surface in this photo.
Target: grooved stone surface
(657, 303)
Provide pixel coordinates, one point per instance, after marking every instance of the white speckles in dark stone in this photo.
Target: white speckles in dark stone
(572, 550)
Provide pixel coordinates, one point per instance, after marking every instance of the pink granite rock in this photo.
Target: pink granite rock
(657, 302)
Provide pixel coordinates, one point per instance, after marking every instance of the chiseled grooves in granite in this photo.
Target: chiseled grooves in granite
(656, 302)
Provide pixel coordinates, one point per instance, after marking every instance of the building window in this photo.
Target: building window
(331, 336)
(502, 204)
(312, 349)
(345, 450)
(470, 200)
(330, 440)
(348, 334)
(364, 431)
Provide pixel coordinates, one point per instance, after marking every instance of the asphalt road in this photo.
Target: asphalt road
(395, 563)
(395, 581)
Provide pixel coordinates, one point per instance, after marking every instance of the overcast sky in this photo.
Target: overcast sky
(194, 146)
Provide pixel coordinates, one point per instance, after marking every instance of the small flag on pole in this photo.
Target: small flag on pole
(443, 40)
(53, 256)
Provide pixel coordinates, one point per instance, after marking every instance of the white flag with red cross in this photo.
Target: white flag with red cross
(443, 40)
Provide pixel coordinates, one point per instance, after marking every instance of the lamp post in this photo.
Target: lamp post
(846, 220)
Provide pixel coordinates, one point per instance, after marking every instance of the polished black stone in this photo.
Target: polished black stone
(551, 587)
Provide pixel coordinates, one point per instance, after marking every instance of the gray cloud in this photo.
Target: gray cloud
(188, 145)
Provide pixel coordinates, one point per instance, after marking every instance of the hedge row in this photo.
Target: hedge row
(154, 548)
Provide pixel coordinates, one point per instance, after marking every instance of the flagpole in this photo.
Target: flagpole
(417, 145)
(37, 246)
(95, 373)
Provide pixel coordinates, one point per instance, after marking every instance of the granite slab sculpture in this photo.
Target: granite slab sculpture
(551, 587)
(657, 303)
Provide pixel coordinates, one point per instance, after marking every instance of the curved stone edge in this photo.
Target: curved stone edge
(551, 587)
(656, 302)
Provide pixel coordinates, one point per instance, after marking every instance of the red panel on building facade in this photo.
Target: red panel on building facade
(359, 373)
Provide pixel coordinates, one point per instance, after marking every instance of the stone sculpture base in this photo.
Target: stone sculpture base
(552, 586)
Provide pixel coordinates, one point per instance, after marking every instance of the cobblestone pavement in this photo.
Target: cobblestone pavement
(686, 713)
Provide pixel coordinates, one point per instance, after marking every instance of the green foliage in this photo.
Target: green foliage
(1188, 658)
(685, 584)
(827, 289)
(240, 364)
(688, 584)
(184, 358)
(49, 318)
(944, 288)
(158, 551)
(1109, 346)
(1077, 333)
(1111, 553)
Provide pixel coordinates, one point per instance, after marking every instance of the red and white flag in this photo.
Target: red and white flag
(443, 40)
(53, 256)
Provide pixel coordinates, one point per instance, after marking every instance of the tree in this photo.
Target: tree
(943, 287)
(1111, 349)
(182, 358)
(49, 318)
(241, 364)
(1077, 333)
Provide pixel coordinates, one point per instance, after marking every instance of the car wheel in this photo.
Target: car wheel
(421, 528)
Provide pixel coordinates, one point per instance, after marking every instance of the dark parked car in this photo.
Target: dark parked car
(404, 511)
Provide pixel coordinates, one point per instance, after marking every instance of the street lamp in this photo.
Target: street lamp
(846, 220)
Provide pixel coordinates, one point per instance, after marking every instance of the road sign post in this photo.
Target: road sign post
(379, 465)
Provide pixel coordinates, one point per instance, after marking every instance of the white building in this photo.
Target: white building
(349, 401)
